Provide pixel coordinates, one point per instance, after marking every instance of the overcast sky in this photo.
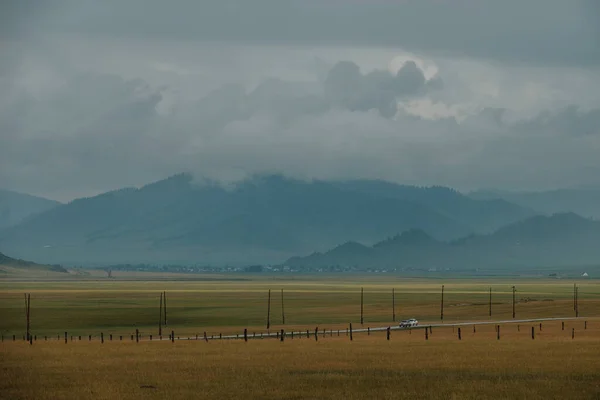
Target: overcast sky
(98, 95)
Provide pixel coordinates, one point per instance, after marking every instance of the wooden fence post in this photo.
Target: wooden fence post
(307, 334)
(137, 335)
(90, 338)
(102, 337)
(388, 333)
(518, 328)
(540, 326)
(245, 334)
(474, 329)
(282, 335)
(532, 333)
(110, 337)
(563, 325)
(368, 331)
(205, 337)
(316, 334)
(498, 333)
(172, 336)
(573, 334)
(585, 325)
(65, 337)
(150, 337)
(350, 331)
(459, 337)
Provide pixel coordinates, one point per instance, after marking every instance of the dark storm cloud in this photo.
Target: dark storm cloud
(533, 31)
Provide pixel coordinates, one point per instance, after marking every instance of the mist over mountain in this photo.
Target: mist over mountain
(264, 219)
(561, 240)
(16, 207)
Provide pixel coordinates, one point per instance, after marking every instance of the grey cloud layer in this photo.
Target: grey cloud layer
(98, 132)
(534, 31)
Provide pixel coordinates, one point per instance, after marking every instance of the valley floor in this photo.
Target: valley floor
(479, 366)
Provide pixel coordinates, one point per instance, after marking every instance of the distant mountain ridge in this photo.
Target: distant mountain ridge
(584, 201)
(562, 239)
(260, 220)
(16, 207)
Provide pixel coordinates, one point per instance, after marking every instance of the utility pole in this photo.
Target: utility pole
(27, 312)
(513, 290)
(165, 305)
(282, 309)
(393, 306)
(269, 310)
(577, 301)
(160, 315)
(442, 305)
(490, 301)
(361, 306)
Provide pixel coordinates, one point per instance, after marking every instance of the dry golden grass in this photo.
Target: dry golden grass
(477, 367)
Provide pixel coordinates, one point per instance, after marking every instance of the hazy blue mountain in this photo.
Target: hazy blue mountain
(260, 220)
(564, 239)
(484, 215)
(583, 201)
(16, 207)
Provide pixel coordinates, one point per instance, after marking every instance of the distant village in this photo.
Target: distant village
(272, 269)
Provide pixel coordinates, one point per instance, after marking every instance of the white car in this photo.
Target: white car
(407, 323)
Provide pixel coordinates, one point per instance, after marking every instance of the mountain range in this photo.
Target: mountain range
(559, 240)
(267, 219)
(264, 219)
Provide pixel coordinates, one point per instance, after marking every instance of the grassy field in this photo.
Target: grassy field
(120, 307)
(478, 366)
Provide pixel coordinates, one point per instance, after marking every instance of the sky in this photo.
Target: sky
(96, 96)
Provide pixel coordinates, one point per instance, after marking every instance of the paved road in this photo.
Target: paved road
(299, 334)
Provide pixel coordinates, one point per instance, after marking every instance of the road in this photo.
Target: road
(311, 333)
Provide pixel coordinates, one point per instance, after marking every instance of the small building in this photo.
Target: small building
(585, 275)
